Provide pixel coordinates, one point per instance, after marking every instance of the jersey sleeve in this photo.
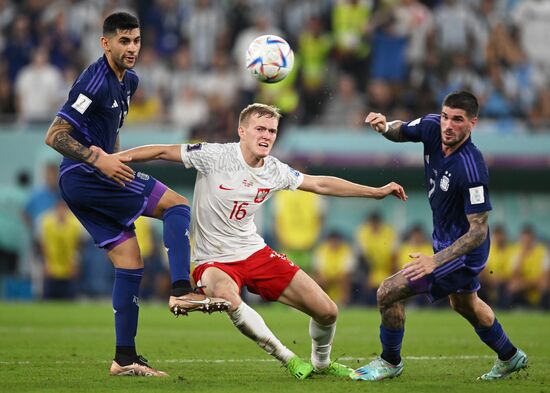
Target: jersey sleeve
(201, 156)
(422, 129)
(475, 184)
(289, 178)
(84, 97)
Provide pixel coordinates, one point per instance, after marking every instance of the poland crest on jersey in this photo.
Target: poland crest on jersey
(261, 195)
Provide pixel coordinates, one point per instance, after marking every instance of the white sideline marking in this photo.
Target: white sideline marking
(345, 358)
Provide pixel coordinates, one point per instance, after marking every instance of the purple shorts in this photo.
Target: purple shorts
(106, 209)
(461, 280)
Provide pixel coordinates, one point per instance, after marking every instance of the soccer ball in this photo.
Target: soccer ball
(269, 58)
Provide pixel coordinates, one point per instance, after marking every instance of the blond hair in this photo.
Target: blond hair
(260, 110)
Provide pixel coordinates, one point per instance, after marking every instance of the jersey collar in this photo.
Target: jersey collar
(111, 70)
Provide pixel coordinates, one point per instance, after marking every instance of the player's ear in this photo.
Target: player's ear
(240, 131)
(105, 44)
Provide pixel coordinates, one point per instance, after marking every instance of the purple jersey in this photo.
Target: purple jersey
(457, 186)
(97, 105)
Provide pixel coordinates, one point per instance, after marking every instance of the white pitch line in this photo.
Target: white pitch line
(344, 358)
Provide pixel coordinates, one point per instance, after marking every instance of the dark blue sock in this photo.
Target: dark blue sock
(176, 240)
(126, 305)
(497, 340)
(391, 344)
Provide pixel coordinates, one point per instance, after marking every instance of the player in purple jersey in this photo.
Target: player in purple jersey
(107, 196)
(457, 181)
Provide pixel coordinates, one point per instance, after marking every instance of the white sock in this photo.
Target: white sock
(252, 325)
(321, 343)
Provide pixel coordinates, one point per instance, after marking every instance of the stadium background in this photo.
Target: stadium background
(396, 57)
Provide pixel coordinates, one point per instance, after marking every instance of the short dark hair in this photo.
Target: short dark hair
(463, 100)
(119, 21)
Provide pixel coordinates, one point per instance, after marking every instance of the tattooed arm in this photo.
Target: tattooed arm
(59, 138)
(476, 235)
(391, 130)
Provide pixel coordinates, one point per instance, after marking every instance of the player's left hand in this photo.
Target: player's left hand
(421, 266)
(393, 189)
(113, 166)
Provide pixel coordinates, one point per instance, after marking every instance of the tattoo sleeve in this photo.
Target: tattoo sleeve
(477, 233)
(394, 133)
(58, 138)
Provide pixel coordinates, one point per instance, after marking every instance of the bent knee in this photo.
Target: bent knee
(179, 200)
(383, 294)
(168, 200)
(328, 314)
(172, 198)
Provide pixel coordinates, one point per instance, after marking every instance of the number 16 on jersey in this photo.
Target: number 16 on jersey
(238, 212)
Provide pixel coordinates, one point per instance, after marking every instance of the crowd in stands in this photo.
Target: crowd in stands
(399, 57)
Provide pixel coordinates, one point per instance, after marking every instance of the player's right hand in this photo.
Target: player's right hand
(113, 166)
(377, 121)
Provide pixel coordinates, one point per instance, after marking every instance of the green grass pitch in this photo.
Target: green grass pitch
(67, 347)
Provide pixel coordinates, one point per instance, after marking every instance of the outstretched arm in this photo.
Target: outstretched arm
(334, 186)
(59, 138)
(390, 130)
(154, 152)
(476, 235)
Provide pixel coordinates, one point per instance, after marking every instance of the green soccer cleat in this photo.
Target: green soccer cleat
(377, 370)
(335, 369)
(503, 368)
(298, 368)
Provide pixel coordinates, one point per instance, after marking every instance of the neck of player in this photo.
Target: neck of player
(448, 150)
(251, 159)
(119, 72)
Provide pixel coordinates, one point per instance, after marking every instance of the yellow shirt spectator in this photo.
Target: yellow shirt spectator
(144, 235)
(350, 21)
(333, 262)
(60, 233)
(298, 217)
(315, 48)
(500, 262)
(530, 267)
(376, 242)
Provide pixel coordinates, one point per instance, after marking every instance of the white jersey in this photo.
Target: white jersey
(228, 192)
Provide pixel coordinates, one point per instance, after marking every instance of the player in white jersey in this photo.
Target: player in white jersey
(233, 181)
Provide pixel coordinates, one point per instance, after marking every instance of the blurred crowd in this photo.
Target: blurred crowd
(65, 264)
(399, 57)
